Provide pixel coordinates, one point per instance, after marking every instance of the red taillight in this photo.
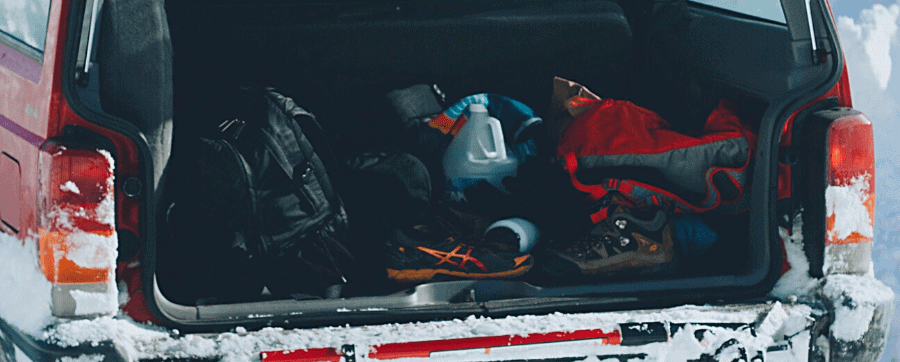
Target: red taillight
(82, 176)
(851, 180)
(78, 183)
(851, 151)
(77, 240)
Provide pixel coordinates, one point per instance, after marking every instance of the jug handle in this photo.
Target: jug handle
(499, 149)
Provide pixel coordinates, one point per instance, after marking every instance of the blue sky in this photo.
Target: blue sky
(869, 38)
(852, 8)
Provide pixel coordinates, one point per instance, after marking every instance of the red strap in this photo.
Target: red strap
(596, 192)
(600, 215)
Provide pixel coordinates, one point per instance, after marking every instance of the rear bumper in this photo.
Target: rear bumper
(21, 347)
(847, 320)
(860, 310)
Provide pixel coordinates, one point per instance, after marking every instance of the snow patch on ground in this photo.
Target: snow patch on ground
(796, 282)
(26, 291)
(854, 300)
(847, 204)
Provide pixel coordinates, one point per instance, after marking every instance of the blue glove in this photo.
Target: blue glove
(693, 236)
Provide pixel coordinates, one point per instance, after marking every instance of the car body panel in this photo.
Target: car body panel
(25, 113)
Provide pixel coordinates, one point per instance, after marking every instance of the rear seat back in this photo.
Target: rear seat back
(335, 62)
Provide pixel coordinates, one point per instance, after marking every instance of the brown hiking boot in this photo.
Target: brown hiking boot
(626, 241)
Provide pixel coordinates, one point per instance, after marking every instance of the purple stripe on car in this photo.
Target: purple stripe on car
(23, 133)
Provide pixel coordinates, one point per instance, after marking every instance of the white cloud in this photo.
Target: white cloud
(866, 43)
(875, 32)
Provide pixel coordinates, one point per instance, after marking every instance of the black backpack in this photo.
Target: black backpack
(252, 206)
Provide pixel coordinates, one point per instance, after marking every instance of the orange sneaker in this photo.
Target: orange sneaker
(426, 253)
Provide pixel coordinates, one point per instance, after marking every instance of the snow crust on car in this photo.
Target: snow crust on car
(149, 341)
(796, 282)
(70, 187)
(89, 250)
(85, 249)
(854, 299)
(93, 303)
(847, 204)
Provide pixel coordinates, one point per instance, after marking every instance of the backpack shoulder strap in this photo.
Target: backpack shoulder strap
(281, 140)
(303, 161)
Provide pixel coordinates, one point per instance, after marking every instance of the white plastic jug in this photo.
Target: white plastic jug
(478, 152)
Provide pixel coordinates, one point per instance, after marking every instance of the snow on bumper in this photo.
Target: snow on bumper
(860, 308)
(774, 331)
(847, 319)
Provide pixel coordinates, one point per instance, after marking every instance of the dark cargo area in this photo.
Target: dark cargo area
(339, 60)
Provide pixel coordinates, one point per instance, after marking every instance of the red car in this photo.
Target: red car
(96, 93)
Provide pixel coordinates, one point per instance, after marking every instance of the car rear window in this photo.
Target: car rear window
(764, 9)
(25, 21)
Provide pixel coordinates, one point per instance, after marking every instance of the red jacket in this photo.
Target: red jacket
(616, 145)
